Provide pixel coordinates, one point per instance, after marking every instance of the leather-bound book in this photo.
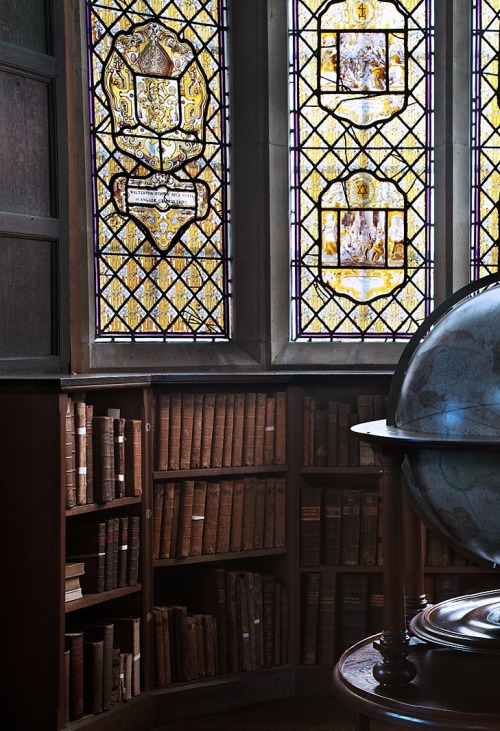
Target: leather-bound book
(350, 526)
(280, 430)
(269, 512)
(343, 426)
(375, 605)
(200, 645)
(69, 437)
(260, 516)
(249, 505)
(110, 535)
(214, 602)
(310, 526)
(269, 430)
(80, 452)
(207, 429)
(218, 431)
(133, 550)
(260, 424)
(167, 520)
(133, 457)
(368, 528)
(239, 419)
(208, 632)
(175, 519)
(158, 648)
(224, 518)
(89, 445)
(242, 593)
(197, 431)
(116, 689)
(268, 585)
(162, 431)
(232, 621)
(174, 434)
(158, 498)
(364, 402)
(235, 538)
(74, 643)
(352, 609)
(311, 619)
(331, 433)
(86, 541)
(119, 456)
(227, 447)
(320, 436)
(304, 444)
(126, 674)
(104, 632)
(198, 517)
(280, 513)
(249, 428)
(331, 526)
(93, 675)
(127, 637)
(103, 450)
(211, 517)
(187, 421)
(326, 619)
(192, 644)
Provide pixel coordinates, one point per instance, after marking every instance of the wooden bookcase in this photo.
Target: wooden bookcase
(38, 526)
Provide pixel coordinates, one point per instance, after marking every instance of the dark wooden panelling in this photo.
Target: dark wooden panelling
(25, 298)
(22, 23)
(24, 145)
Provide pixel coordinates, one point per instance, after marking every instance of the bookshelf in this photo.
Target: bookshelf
(177, 581)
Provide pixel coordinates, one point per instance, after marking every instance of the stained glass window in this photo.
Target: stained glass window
(485, 137)
(158, 122)
(361, 82)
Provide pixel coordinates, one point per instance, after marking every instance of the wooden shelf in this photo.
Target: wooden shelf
(214, 471)
(89, 600)
(96, 507)
(217, 557)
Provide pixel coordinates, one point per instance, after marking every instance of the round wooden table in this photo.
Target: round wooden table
(452, 690)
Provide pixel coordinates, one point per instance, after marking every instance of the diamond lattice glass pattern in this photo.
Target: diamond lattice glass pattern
(361, 167)
(160, 169)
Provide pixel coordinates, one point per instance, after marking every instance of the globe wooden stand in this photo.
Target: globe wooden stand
(454, 689)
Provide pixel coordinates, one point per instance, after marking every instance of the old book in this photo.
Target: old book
(162, 436)
(74, 643)
(280, 513)
(133, 550)
(214, 601)
(185, 518)
(280, 430)
(200, 645)
(158, 647)
(260, 423)
(133, 457)
(218, 431)
(368, 528)
(103, 632)
(249, 505)
(119, 456)
(93, 675)
(326, 619)
(239, 418)
(71, 595)
(198, 517)
(209, 631)
(158, 498)
(80, 451)
(320, 436)
(208, 429)
(227, 446)
(249, 428)
(116, 550)
(269, 429)
(353, 609)
(331, 526)
(116, 692)
(312, 411)
(343, 435)
(310, 526)
(186, 437)
(375, 604)
(174, 442)
(103, 451)
(127, 637)
(311, 618)
(167, 520)
(353, 441)
(304, 445)
(332, 433)
(242, 594)
(108, 571)
(232, 621)
(182, 654)
(224, 517)
(192, 639)
(260, 507)
(123, 550)
(236, 530)
(69, 453)
(269, 512)
(268, 604)
(209, 543)
(197, 430)
(126, 675)
(89, 442)
(175, 519)
(86, 542)
(350, 526)
(364, 402)
(74, 569)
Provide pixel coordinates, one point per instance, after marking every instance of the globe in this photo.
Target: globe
(450, 386)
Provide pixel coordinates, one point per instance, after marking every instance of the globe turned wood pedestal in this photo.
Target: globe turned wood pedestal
(414, 683)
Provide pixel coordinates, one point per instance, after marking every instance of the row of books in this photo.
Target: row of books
(327, 439)
(201, 430)
(197, 517)
(102, 665)
(109, 550)
(102, 455)
(340, 526)
(336, 617)
(438, 553)
(242, 626)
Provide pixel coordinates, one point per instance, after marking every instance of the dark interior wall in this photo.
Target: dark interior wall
(33, 243)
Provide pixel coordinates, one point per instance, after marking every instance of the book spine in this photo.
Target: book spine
(195, 461)
(71, 497)
(311, 618)
(269, 430)
(331, 526)
(80, 452)
(104, 471)
(187, 421)
(249, 428)
(207, 429)
(218, 431)
(310, 526)
(236, 530)
(211, 518)
(167, 520)
(174, 431)
(227, 447)
(133, 457)
(89, 448)
(198, 517)
(280, 431)
(224, 517)
(260, 423)
(162, 431)
(350, 526)
(119, 456)
(326, 619)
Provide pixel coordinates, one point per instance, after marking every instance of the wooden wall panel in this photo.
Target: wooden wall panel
(22, 23)
(26, 328)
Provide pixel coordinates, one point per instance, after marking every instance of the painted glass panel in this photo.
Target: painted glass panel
(361, 167)
(485, 138)
(158, 122)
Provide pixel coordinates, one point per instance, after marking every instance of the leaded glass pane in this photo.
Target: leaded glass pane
(485, 137)
(361, 167)
(158, 122)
